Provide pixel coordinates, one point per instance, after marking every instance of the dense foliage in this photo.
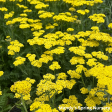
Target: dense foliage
(55, 55)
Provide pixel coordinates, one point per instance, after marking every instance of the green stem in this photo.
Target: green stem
(23, 70)
(14, 106)
(61, 25)
(23, 103)
(36, 51)
(83, 81)
(108, 98)
(93, 81)
(54, 101)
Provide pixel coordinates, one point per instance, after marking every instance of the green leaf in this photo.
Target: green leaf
(59, 98)
(89, 87)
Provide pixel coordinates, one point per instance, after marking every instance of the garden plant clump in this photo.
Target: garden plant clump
(55, 55)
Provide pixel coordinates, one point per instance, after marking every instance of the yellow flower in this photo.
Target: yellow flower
(0, 92)
(76, 60)
(70, 29)
(14, 47)
(110, 25)
(97, 17)
(19, 61)
(62, 76)
(84, 90)
(17, 95)
(1, 73)
(83, 12)
(72, 9)
(30, 80)
(54, 66)
(73, 74)
(22, 88)
(6, 16)
(26, 97)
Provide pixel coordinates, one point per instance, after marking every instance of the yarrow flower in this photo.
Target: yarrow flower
(14, 47)
(110, 25)
(19, 61)
(1, 73)
(97, 17)
(54, 65)
(70, 29)
(22, 88)
(71, 102)
(84, 90)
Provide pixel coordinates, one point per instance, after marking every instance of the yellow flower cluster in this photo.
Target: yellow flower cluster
(45, 58)
(78, 3)
(58, 50)
(45, 14)
(109, 49)
(107, 109)
(72, 9)
(2, 0)
(14, 47)
(82, 34)
(21, 6)
(101, 95)
(91, 62)
(64, 17)
(100, 55)
(49, 88)
(51, 39)
(70, 29)
(74, 74)
(83, 12)
(103, 74)
(54, 66)
(41, 107)
(110, 25)
(15, 0)
(0, 92)
(36, 63)
(40, 5)
(99, 36)
(23, 14)
(45, 86)
(71, 102)
(1, 73)
(97, 17)
(49, 26)
(90, 43)
(22, 88)
(19, 61)
(92, 101)
(3, 9)
(27, 10)
(49, 76)
(24, 25)
(94, 37)
(80, 68)
(75, 60)
(95, 28)
(31, 57)
(84, 90)
(62, 76)
(6, 16)
(78, 50)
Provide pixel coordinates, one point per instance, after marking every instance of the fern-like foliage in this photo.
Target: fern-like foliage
(4, 106)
